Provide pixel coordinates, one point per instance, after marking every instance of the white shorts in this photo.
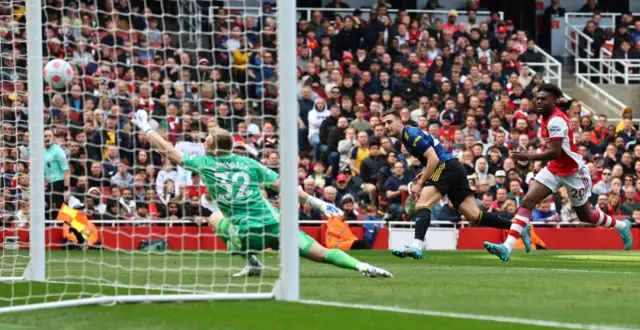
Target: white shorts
(578, 184)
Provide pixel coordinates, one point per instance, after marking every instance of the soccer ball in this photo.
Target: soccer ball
(58, 73)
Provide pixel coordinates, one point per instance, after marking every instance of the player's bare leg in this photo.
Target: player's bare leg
(254, 266)
(601, 219)
(319, 253)
(470, 210)
(537, 192)
(429, 196)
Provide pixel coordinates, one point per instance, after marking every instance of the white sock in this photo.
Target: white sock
(418, 244)
(510, 242)
(620, 225)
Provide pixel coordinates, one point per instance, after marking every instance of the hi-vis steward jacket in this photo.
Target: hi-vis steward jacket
(72, 218)
(338, 235)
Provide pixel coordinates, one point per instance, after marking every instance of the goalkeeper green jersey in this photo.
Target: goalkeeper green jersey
(233, 183)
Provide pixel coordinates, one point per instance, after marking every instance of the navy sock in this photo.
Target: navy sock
(422, 217)
(489, 219)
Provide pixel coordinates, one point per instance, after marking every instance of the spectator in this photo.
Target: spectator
(358, 154)
(603, 187)
(127, 204)
(320, 175)
(515, 192)
(508, 210)
(500, 199)
(309, 213)
(122, 178)
(631, 203)
(395, 186)
(344, 188)
(544, 213)
(109, 135)
(348, 206)
(316, 116)
(486, 205)
(613, 207)
(369, 170)
(329, 195)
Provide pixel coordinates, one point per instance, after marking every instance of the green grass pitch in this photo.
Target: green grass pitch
(564, 289)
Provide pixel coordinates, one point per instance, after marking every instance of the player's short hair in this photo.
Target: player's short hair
(392, 112)
(551, 89)
(222, 139)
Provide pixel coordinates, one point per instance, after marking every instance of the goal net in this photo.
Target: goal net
(115, 220)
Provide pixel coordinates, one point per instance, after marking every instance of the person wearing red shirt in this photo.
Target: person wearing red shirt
(196, 188)
(446, 130)
(599, 131)
(451, 24)
(565, 168)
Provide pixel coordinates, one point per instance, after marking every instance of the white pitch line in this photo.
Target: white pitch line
(9, 326)
(541, 269)
(479, 317)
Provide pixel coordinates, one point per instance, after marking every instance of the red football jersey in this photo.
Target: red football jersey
(556, 127)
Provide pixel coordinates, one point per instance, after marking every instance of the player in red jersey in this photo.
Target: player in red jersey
(565, 168)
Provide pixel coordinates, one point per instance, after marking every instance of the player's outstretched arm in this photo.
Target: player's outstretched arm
(318, 204)
(165, 147)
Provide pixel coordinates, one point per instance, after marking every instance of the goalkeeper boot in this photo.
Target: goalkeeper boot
(372, 271)
(526, 238)
(627, 238)
(253, 268)
(408, 251)
(498, 250)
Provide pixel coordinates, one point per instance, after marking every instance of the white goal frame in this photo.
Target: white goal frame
(286, 288)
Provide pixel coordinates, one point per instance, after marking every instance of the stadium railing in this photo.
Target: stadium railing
(389, 224)
(608, 72)
(590, 64)
(583, 79)
(573, 37)
(482, 16)
(579, 20)
(551, 68)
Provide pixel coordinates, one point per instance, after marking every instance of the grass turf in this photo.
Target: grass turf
(579, 287)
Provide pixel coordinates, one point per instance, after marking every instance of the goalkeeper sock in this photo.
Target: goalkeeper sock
(422, 218)
(341, 259)
(489, 219)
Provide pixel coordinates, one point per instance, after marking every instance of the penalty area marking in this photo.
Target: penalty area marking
(477, 317)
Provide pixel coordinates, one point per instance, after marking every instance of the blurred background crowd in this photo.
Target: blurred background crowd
(466, 82)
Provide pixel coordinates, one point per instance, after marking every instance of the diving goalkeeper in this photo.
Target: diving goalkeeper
(250, 222)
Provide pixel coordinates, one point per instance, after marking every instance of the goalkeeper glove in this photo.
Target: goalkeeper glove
(326, 208)
(141, 120)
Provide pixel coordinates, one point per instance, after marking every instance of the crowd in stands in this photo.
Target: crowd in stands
(467, 83)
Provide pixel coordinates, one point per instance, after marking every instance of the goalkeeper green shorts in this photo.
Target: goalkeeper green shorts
(258, 239)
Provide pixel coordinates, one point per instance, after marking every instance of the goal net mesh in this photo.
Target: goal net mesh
(191, 71)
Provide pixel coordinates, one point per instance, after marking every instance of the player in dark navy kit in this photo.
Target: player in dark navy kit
(443, 175)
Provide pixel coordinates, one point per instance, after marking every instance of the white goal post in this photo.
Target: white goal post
(39, 274)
